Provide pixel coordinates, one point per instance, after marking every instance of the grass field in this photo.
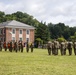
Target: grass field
(36, 63)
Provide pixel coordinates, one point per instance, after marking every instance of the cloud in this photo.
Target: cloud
(49, 10)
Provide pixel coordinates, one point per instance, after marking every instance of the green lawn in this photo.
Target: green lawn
(36, 63)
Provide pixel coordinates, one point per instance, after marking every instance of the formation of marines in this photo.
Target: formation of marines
(15, 46)
(54, 46)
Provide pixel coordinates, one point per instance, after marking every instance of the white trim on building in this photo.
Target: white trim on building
(28, 35)
(21, 34)
(13, 34)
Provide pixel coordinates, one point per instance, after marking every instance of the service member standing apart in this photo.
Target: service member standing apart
(27, 47)
(31, 46)
(22, 46)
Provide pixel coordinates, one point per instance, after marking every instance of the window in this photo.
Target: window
(13, 31)
(1, 31)
(4, 39)
(4, 31)
(20, 31)
(27, 39)
(27, 31)
(20, 39)
(1, 39)
(13, 38)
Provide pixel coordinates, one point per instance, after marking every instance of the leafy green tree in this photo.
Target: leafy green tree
(42, 32)
(2, 16)
(75, 35)
(39, 41)
(61, 39)
(73, 38)
(56, 30)
(66, 33)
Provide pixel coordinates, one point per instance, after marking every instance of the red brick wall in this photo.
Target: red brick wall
(31, 35)
(24, 35)
(8, 34)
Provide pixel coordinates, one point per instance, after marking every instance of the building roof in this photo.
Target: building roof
(15, 24)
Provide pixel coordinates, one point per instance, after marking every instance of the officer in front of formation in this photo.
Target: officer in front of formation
(10, 49)
(31, 46)
(21, 44)
(27, 47)
(19, 47)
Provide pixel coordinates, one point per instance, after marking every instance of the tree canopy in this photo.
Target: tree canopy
(43, 31)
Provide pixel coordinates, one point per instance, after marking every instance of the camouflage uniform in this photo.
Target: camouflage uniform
(70, 47)
(66, 44)
(75, 48)
(53, 50)
(62, 48)
(56, 47)
(31, 46)
(49, 47)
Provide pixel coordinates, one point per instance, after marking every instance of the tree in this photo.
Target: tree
(75, 35)
(39, 42)
(66, 33)
(56, 30)
(73, 38)
(2, 16)
(42, 32)
(61, 39)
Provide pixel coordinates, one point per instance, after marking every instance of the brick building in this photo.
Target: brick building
(15, 31)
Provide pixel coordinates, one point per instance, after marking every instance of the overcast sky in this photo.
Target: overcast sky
(53, 11)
